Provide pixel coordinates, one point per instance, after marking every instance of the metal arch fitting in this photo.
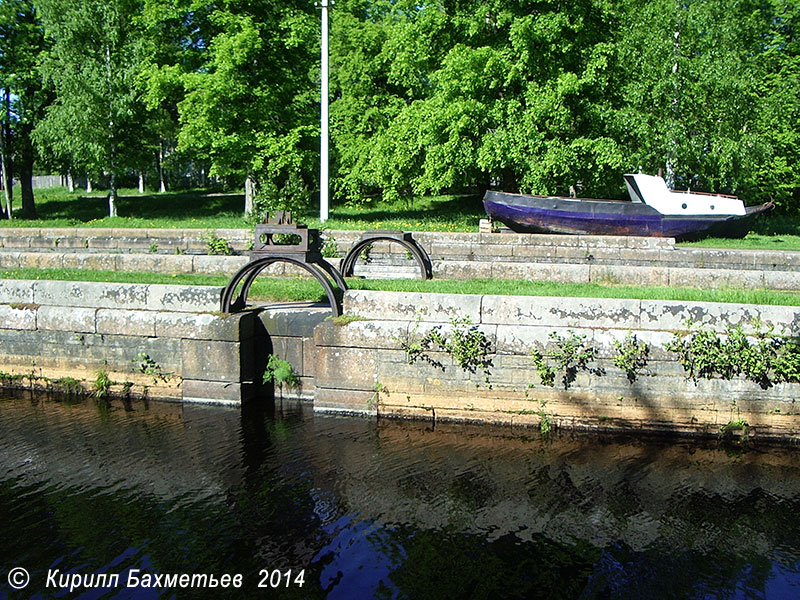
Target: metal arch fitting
(404, 239)
(247, 274)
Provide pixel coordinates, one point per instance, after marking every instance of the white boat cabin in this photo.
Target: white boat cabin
(653, 191)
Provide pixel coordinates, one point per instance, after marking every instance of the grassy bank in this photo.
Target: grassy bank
(291, 289)
(201, 209)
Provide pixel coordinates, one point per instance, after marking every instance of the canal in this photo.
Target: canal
(353, 508)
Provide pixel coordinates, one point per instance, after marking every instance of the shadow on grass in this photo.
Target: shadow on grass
(154, 206)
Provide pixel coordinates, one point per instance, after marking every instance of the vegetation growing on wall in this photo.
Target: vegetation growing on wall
(762, 356)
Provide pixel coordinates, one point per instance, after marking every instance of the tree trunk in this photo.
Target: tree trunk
(141, 182)
(112, 196)
(249, 193)
(26, 173)
(5, 153)
(162, 186)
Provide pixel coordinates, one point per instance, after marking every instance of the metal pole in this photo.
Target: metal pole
(323, 155)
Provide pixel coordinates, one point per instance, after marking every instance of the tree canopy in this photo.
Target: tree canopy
(535, 95)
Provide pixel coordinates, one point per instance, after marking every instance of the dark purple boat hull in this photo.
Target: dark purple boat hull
(538, 214)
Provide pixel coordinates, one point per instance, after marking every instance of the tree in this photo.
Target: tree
(458, 94)
(695, 74)
(92, 68)
(23, 101)
(248, 104)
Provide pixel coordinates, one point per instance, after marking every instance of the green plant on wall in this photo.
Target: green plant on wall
(761, 357)
(570, 355)
(148, 366)
(102, 384)
(216, 245)
(630, 356)
(465, 343)
(280, 372)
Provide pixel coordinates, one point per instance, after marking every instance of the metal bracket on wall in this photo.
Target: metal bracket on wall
(279, 240)
(389, 235)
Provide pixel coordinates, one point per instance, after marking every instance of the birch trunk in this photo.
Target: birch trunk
(162, 186)
(5, 153)
(249, 193)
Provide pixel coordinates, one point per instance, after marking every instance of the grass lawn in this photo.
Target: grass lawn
(199, 209)
(291, 289)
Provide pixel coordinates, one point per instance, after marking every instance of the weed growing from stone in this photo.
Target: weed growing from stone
(630, 356)
(761, 357)
(466, 344)
(217, 245)
(280, 372)
(102, 384)
(570, 356)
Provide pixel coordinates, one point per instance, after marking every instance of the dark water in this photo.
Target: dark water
(388, 510)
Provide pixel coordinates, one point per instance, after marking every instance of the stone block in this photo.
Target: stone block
(290, 350)
(561, 312)
(460, 270)
(205, 326)
(94, 262)
(309, 358)
(73, 242)
(557, 272)
(126, 322)
(90, 294)
(59, 318)
(398, 306)
(363, 334)
(217, 361)
(181, 298)
(100, 242)
(18, 317)
(10, 260)
(345, 401)
(155, 263)
(782, 280)
(16, 290)
(218, 265)
(673, 315)
(715, 278)
(41, 260)
(346, 368)
(538, 252)
(297, 322)
(217, 392)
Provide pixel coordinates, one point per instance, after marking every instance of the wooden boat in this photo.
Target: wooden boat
(653, 210)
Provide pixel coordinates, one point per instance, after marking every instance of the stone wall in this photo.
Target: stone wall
(170, 340)
(562, 258)
(362, 367)
(160, 338)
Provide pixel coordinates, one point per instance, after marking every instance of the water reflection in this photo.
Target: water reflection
(387, 510)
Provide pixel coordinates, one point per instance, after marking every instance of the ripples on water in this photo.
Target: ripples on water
(388, 510)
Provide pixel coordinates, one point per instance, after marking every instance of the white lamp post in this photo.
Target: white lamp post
(323, 141)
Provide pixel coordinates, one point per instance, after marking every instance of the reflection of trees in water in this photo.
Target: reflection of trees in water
(397, 510)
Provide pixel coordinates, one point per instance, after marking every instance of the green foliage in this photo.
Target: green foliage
(761, 357)
(217, 245)
(465, 343)
(329, 247)
(147, 366)
(280, 372)
(102, 384)
(630, 356)
(570, 355)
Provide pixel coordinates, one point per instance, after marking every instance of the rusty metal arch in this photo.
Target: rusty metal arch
(247, 274)
(404, 239)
